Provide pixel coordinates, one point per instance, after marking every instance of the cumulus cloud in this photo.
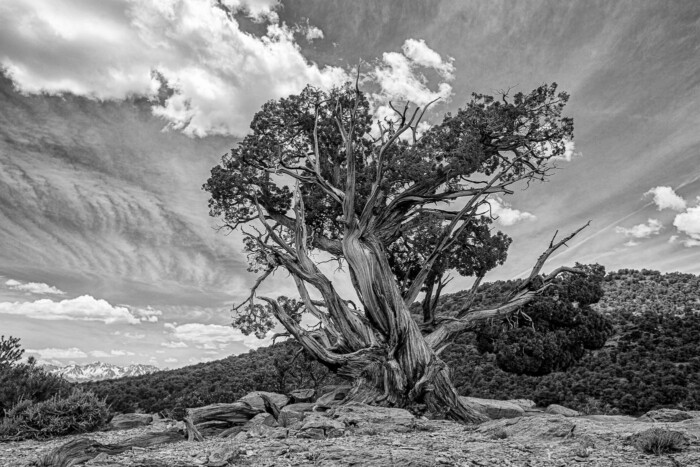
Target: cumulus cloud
(651, 227)
(53, 353)
(688, 222)
(399, 79)
(170, 360)
(665, 198)
(219, 75)
(148, 314)
(507, 215)
(213, 336)
(83, 308)
(421, 54)
(38, 288)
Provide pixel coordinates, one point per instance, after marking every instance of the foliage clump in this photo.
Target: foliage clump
(24, 381)
(659, 441)
(80, 412)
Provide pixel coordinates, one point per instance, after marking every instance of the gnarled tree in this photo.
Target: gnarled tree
(315, 180)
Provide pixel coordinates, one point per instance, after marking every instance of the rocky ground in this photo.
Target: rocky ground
(358, 435)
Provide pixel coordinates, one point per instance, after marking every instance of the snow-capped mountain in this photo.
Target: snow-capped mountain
(98, 371)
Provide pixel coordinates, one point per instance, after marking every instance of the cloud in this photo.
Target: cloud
(399, 78)
(38, 288)
(148, 314)
(506, 214)
(174, 345)
(214, 336)
(170, 360)
(421, 54)
(688, 223)
(631, 243)
(569, 152)
(666, 198)
(212, 75)
(110, 354)
(652, 227)
(83, 308)
(53, 353)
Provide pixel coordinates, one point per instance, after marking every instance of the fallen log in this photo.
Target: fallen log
(81, 450)
(200, 418)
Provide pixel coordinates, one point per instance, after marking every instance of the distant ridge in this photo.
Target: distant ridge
(98, 371)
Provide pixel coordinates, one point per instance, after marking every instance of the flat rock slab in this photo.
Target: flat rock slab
(556, 409)
(256, 401)
(495, 409)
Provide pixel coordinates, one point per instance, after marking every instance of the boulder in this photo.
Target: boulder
(318, 426)
(129, 420)
(668, 415)
(526, 404)
(260, 419)
(300, 407)
(495, 409)
(303, 395)
(256, 401)
(366, 419)
(556, 409)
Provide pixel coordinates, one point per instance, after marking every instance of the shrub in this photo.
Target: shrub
(28, 382)
(80, 412)
(659, 441)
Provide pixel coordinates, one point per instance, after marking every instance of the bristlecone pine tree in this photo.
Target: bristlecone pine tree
(315, 180)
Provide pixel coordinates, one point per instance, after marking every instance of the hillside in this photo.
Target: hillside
(652, 360)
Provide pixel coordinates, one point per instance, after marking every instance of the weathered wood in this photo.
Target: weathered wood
(223, 416)
(81, 450)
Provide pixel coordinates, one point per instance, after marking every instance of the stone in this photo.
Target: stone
(495, 409)
(223, 455)
(556, 409)
(303, 395)
(370, 420)
(256, 401)
(260, 419)
(668, 415)
(526, 404)
(300, 407)
(129, 420)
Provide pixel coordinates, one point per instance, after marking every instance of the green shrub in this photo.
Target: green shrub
(80, 412)
(659, 441)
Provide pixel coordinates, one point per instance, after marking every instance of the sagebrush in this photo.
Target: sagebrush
(79, 412)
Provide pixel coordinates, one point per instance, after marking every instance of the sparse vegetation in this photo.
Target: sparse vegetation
(659, 441)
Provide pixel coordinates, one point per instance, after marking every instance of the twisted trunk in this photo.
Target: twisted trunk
(405, 369)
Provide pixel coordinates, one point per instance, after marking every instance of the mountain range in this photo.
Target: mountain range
(99, 371)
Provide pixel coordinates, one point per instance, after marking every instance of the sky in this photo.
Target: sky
(112, 113)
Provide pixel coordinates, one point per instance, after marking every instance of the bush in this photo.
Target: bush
(659, 441)
(30, 383)
(80, 412)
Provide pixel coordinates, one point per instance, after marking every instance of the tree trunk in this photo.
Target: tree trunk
(407, 370)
